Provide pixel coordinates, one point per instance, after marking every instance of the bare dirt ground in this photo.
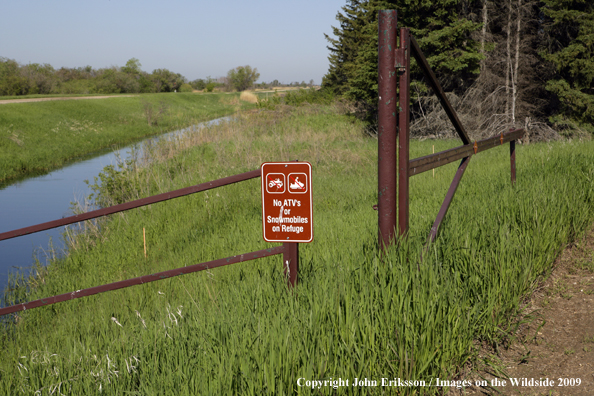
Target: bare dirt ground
(557, 342)
(60, 98)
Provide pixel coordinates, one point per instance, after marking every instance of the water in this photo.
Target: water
(45, 198)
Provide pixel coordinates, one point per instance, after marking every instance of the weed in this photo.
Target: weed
(586, 264)
(154, 113)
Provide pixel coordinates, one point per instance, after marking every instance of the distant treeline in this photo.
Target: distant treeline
(35, 78)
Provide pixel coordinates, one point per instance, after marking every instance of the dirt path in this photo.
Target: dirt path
(558, 342)
(61, 98)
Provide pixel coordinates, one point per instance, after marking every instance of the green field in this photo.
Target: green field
(237, 330)
(39, 136)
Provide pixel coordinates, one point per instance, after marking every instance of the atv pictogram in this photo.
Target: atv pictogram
(277, 182)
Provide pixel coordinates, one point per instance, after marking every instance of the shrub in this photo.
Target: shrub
(185, 88)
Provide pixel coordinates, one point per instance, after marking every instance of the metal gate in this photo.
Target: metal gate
(395, 47)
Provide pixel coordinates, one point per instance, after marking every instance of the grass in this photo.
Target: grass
(237, 329)
(40, 136)
(39, 96)
(248, 97)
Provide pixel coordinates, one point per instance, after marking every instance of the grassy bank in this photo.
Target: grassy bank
(237, 330)
(40, 136)
(45, 96)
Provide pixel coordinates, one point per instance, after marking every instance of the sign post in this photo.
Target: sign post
(287, 209)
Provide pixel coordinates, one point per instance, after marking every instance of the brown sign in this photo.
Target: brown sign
(286, 202)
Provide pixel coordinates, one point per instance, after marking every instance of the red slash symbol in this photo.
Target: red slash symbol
(278, 183)
(297, 184)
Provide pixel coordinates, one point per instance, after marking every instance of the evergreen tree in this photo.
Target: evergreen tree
(345, 47)
(440, 26)
(571, 50)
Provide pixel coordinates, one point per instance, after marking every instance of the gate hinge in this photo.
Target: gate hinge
(400, 57)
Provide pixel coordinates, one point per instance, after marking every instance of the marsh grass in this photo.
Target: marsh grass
(248, 97)
(237, 329)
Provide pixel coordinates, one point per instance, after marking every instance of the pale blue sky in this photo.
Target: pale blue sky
(283, 39)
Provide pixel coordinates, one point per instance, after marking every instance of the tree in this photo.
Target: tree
(571, 50)
(11, 81)
(345, 47)
(41, 78)
(242, 77)
(442, 28)
(132, 66)
(167, 81)
(198, 84)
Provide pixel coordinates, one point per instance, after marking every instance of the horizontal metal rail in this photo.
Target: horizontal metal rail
(145, 279)
(432, 161)
(130, 205)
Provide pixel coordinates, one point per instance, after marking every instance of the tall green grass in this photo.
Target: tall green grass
(238, 329)
(40, 136)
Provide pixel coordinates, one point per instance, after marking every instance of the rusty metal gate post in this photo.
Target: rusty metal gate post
(386, 133)
(291, 262)
(403, 66)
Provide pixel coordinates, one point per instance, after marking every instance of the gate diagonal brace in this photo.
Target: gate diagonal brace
(448, 199)
(439, 92)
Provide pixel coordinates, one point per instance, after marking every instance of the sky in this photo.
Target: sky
(283, 39)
